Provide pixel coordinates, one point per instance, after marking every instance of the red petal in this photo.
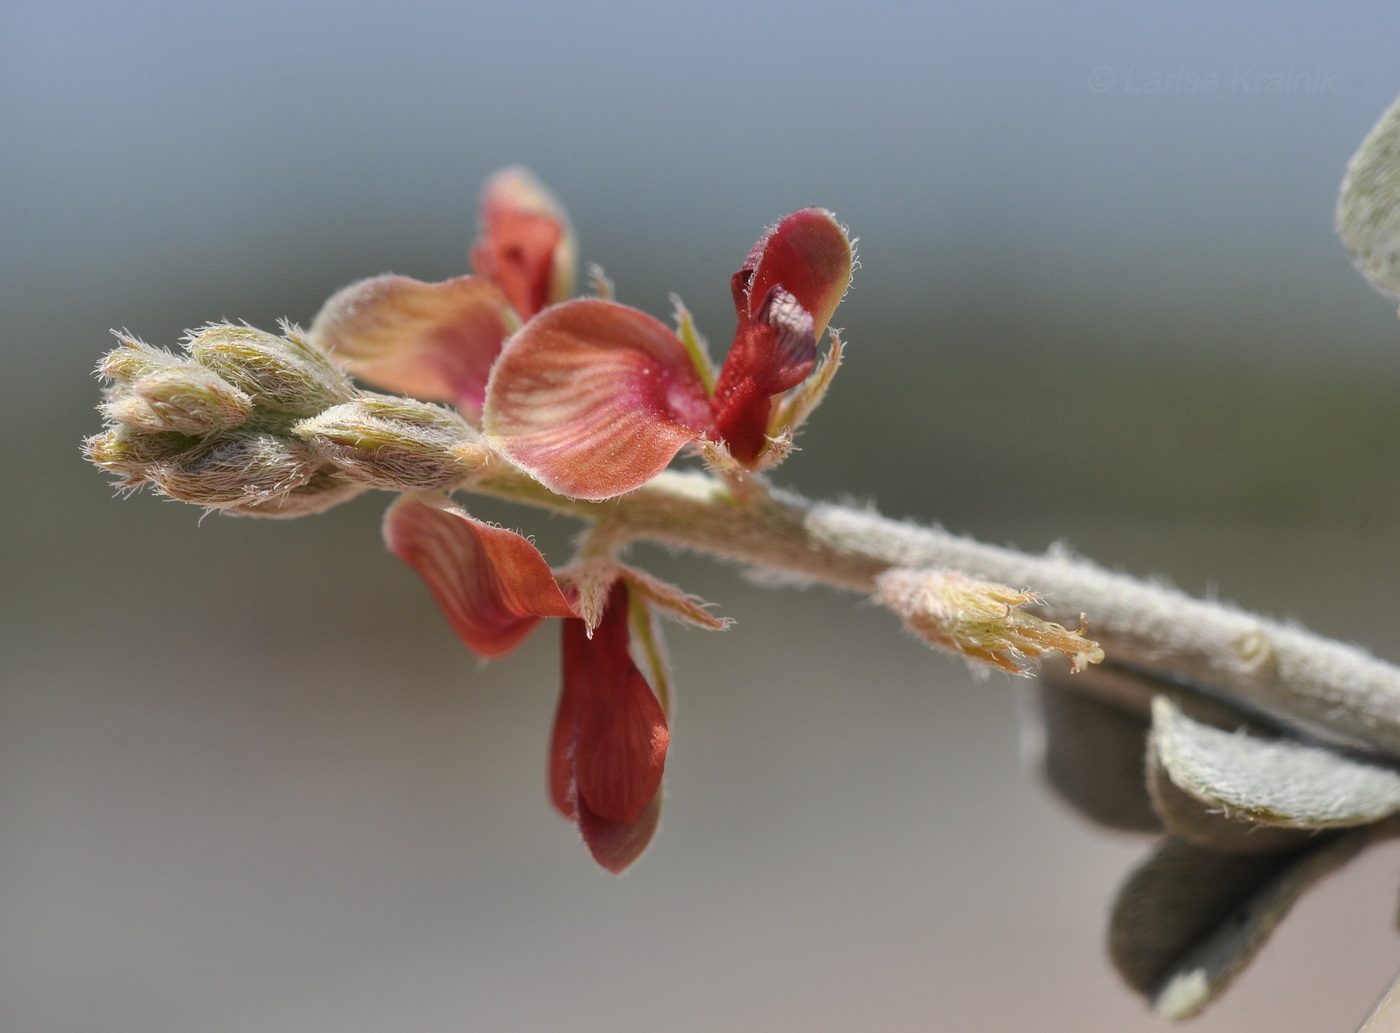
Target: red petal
(526, 245)
(593, 399)
(616, 844)
(770, 354)
(434, 341)
(491, 584)
(619, 750)
(807, 254)
(563, 791)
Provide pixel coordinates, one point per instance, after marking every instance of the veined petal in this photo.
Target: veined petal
(526, 244)
(491, 584)
(620, 735)
(593, 399)
(807, 254)
(433, 341)
(616, 844)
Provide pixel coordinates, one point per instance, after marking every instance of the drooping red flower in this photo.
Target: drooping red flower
(608, 750)
(610, 737)
(594, 398)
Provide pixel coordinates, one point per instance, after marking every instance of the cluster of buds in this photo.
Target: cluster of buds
(588, 397)
(266, 425)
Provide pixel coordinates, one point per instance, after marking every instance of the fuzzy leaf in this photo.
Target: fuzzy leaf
(593, 399)
(1210, 826)
(1188, 920)
(434, 341)
(1368, 210)
(1277, 782)
(1091, 753)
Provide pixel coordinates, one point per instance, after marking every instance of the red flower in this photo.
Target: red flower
(593, 398)
(610, 733)
(610, 738)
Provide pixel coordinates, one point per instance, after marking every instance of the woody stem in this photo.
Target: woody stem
(1310, 683)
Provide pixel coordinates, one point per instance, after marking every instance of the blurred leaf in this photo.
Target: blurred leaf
(1368, 210)
(1276, 782)
(1188, 920)
(1091, 753)
(1385, 1018)
(1209, 825)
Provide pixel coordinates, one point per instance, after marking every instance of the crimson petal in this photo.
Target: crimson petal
(616, 844)
(593, 399)
(620, 733)
(807, 254)
(491, 584)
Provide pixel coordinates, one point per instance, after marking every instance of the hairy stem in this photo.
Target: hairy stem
(1313, 684)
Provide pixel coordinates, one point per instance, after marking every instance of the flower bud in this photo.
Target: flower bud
(132, 454)
(237, 470)
(280, 373)
(327, 487)
(979, 620)
(134, 360)
(185, 398)
(396, 443)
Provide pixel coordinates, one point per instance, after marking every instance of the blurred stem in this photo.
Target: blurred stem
(1316, 685)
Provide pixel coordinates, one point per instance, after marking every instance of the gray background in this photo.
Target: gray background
(249, 782)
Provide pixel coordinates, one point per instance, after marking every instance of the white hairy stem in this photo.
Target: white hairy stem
(1301, 679)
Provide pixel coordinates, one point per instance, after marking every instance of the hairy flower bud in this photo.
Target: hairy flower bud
(395, 443)
(133, 454)
(133, 360)
(327, 487)
(185, 398)
(237, 470)
(979, 620)
(279, 373)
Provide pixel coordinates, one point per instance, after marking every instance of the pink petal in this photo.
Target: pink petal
(433, 341)
(526, 244)
(807, 254)
(620, 733)
(616, 844)
(491, 584)
(593, 399)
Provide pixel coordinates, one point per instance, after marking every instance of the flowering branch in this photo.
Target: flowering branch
(1267, 755)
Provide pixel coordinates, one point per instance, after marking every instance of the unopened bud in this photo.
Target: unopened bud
(279, 373)
(396, 443)
(131, 453)
(237, 470)
(185, 398)
(133, 360)
(326, 488)
(979, 620)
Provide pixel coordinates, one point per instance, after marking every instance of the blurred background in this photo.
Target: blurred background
(249, 783)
